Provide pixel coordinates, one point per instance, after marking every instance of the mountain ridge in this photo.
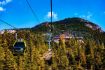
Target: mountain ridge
(75, 26)
(73, 21)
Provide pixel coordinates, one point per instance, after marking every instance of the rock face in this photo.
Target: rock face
(8, 31)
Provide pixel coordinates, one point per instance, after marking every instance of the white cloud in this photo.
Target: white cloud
(54, 15)
(2, 9)
(89, 15)
(2, 2)
(5, 2)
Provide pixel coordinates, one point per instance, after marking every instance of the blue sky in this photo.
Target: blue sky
(18, 14)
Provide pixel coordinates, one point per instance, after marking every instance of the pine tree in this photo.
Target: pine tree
(62, 54)
(2, 59)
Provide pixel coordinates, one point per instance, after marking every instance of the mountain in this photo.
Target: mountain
(68, 24)
(74, 26)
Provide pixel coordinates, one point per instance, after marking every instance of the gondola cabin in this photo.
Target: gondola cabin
(19, 47)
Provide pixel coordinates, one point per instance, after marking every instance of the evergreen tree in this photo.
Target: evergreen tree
(2, 59)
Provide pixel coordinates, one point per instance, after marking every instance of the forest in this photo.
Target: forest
(65, 55)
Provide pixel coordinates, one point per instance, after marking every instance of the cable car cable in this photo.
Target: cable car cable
(32, 11)
(8, 24)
